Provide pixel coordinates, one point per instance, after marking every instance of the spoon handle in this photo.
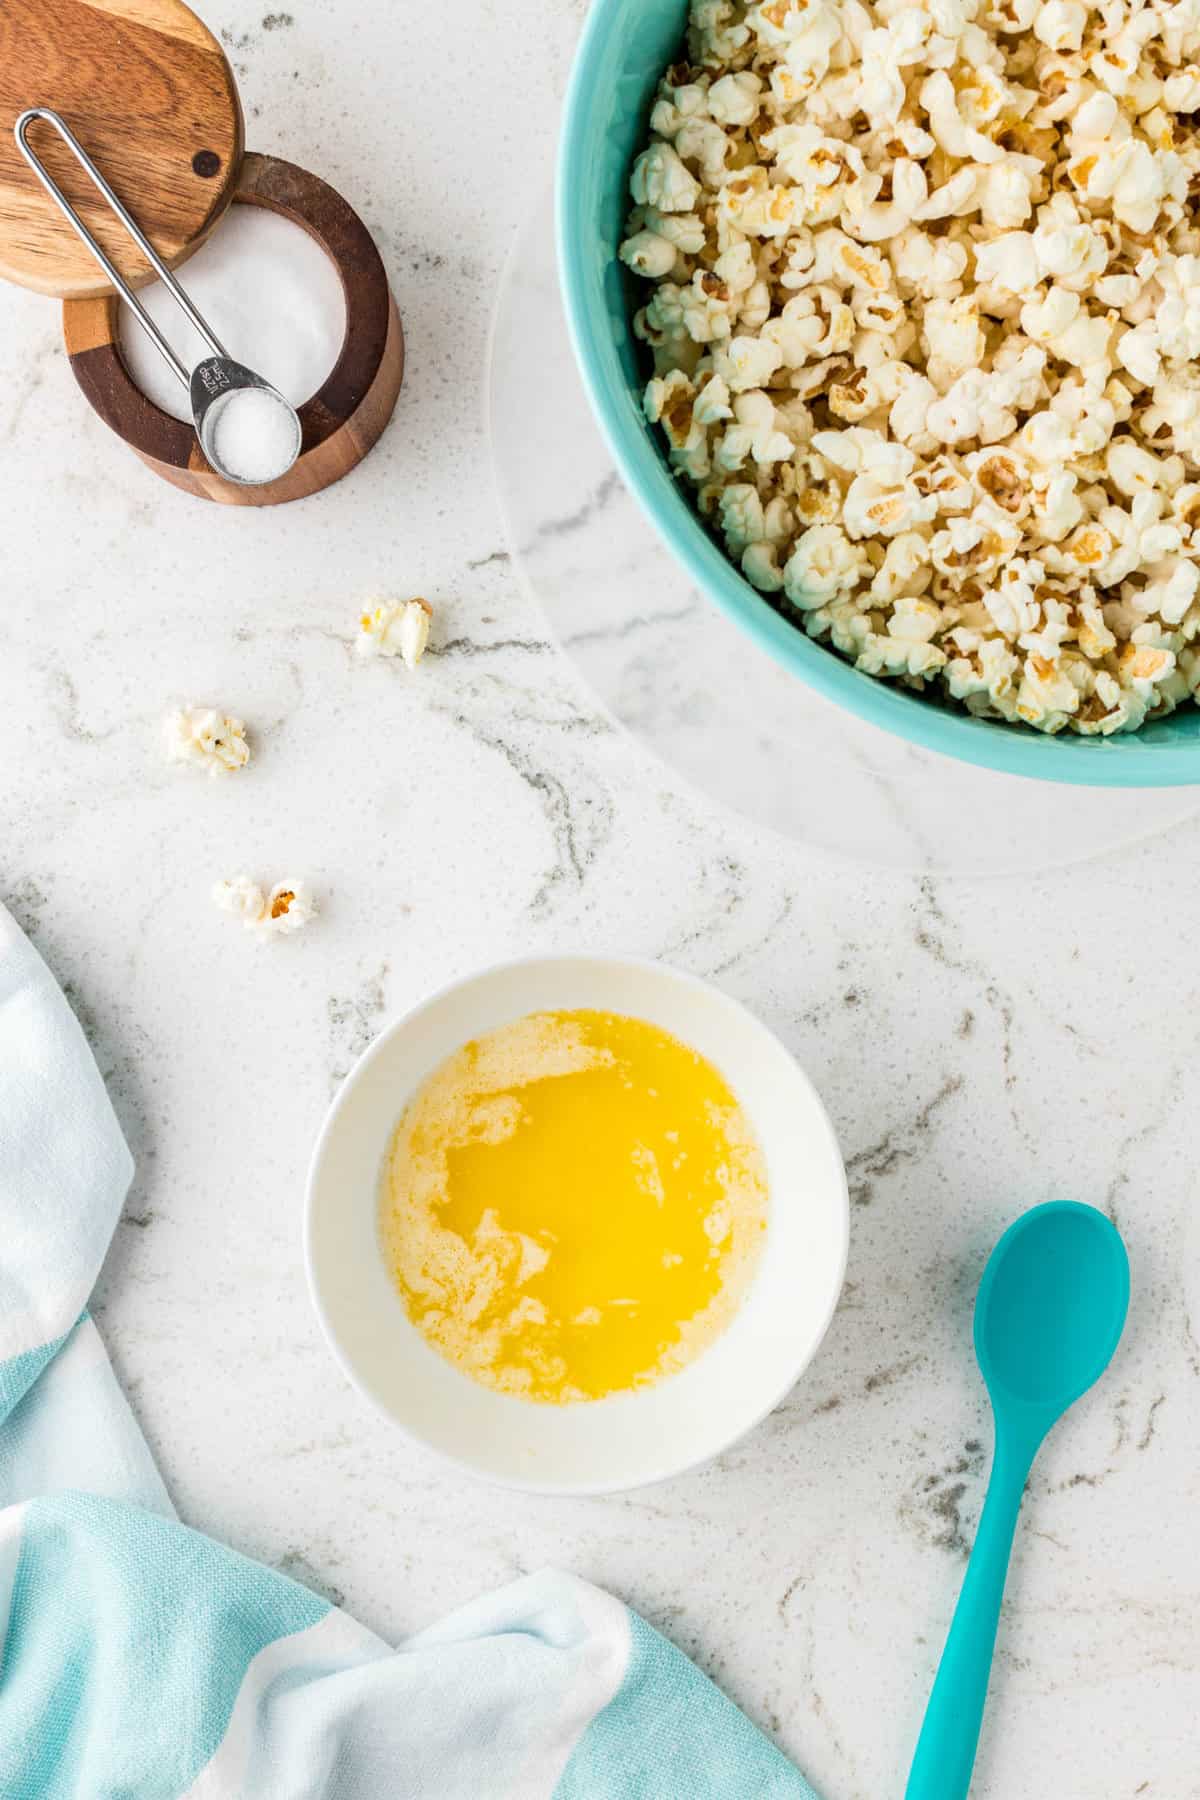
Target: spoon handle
(945, 1755)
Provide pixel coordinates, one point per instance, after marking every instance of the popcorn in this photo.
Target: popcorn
(685, 230)
(1131, 469)
(880, 91)
(760, 566)
(716, 34)
(1009, 262)
(675, 107)
(881, 499)
(1055, 505)
(648, 254)
(954, 339)
(1059, 24)
(887, 218)
(925, 325)
(929, 266)
(1174, 415)
(954, 135)
(212, 740)
(854, 398)
(669, 401)
(735, 99)
(906, 648)
(241, 897)
(754, 435)
(1047, 696)
(1067, 246)
(1002, 476)
(975, 406)
(752, 204)
(1176, 319)
(712, 404)
(747, 362)
(395, 628)
(703, 142)
(816, 323)
(974, 543)
(945, 482)
(745, 520)
(823, 566)
(1181, 91)
(1011, 602)
(660, 179)
(804, 30)
(1004, 191)
(287, 908)
(1140, 353)
(825, 174)
(705, 308)
(1172, 595)
(905, 569)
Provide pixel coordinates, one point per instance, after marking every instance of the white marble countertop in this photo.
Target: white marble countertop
(981, 1045)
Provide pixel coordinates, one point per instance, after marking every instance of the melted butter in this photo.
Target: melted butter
(573, 1206)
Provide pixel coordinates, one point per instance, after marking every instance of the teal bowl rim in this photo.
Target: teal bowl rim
(1135, 760)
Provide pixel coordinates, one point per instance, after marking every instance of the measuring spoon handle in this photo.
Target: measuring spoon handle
(945, 1755)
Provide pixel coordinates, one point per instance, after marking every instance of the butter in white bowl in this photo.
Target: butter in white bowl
(631, 1435)
(573, 1206)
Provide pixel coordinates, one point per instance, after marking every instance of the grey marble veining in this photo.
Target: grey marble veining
(981, 1045)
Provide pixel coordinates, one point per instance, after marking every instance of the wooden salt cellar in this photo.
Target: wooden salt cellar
(148, 90)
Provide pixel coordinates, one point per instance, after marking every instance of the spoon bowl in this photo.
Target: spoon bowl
(1050, 1312)
(214, 388)
(1051, 1309)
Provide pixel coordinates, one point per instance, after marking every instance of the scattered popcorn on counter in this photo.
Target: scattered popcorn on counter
(208, 738)
(924, 311)
(287, 907)
(396, 628)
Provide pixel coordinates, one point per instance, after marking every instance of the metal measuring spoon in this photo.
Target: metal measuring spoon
(214, 383)
(1050, 1313)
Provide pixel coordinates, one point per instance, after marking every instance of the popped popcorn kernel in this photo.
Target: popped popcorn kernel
(395, 628)
(207, 737)
(288, 907)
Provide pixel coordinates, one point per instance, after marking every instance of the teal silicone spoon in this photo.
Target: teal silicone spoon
(1050, 1313)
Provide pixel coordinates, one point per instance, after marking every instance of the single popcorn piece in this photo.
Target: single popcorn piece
(661, 179)
(209, 738)
(290, 906)
(287, 908)
(241, 897)
(924, 325)
(648, 254)
(395, 628)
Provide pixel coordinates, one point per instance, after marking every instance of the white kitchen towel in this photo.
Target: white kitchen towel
(140, 1660)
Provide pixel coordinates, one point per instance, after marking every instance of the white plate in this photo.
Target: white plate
(599, 1446)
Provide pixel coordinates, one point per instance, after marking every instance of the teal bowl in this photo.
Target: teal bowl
(625, 47)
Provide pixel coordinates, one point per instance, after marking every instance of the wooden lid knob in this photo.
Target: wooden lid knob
(147, 90)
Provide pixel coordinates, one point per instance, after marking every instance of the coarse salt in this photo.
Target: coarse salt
(254, 435)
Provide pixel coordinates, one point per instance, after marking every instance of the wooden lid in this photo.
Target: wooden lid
(147, 91)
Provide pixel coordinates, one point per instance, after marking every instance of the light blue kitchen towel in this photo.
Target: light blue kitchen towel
(142, 1661)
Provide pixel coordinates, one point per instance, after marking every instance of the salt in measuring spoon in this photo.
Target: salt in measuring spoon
(214, 385)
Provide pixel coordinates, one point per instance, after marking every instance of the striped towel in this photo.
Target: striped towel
(140, 1660)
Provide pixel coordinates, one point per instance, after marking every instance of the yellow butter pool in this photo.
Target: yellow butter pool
(573, 1206)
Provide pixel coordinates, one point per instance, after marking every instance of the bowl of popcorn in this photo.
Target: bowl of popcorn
(889, 314)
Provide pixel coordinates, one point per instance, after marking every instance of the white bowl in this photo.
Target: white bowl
(605, 1445)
